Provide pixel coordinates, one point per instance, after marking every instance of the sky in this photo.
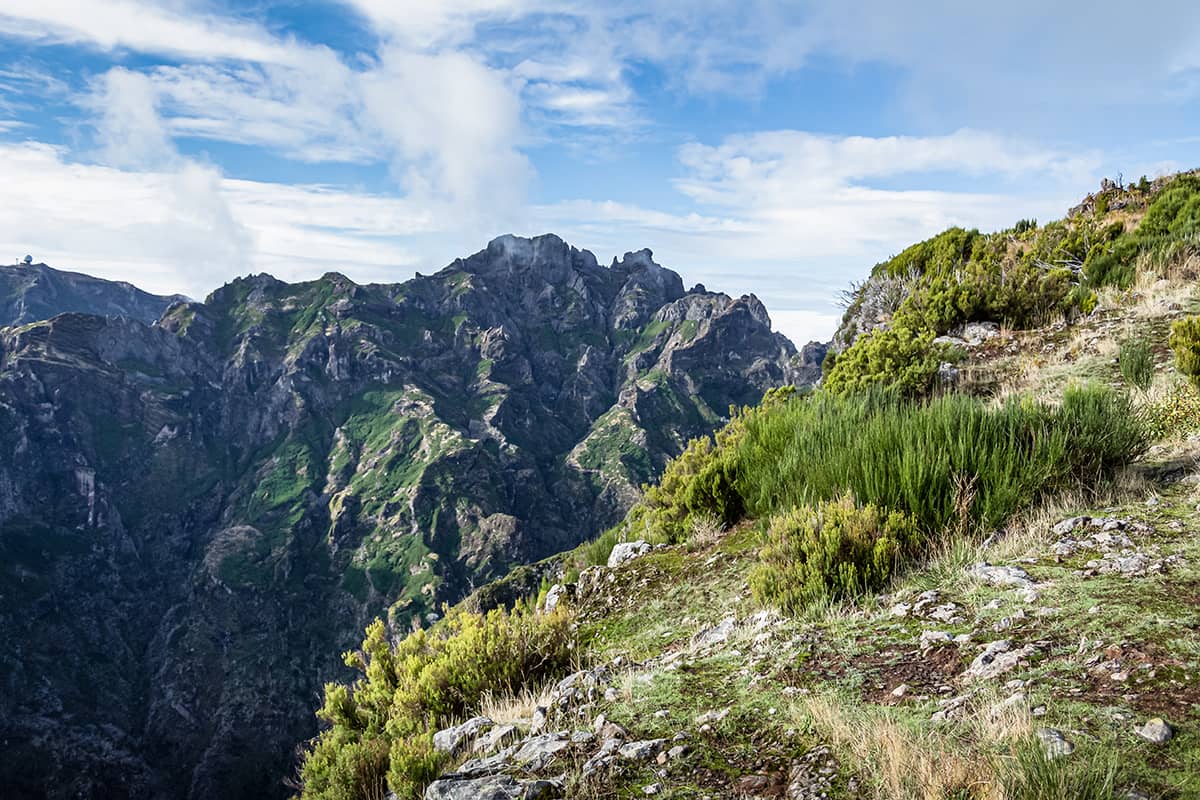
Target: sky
(780, 148)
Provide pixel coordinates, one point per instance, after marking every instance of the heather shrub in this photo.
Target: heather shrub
(833, 551)
(1185, 342)
(699, 483)
(900, 358)
(380, 728)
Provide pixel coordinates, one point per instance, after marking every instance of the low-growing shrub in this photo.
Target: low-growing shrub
(380, 734)
(1174, 412)
(1136, 362)
(833, 551)
(1185, 341)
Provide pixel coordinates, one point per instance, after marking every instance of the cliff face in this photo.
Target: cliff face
(33, 292)
(196, 515)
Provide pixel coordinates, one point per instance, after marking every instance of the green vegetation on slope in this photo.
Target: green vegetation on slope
(867, 485)
(381, 728)
(1021, 277)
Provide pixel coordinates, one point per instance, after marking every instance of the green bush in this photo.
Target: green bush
(699, 481)
(380, 728)
(899, 358)
(1185, 341)
(950, 462)
(1136, 362)
(834, 551)
(1176, 413)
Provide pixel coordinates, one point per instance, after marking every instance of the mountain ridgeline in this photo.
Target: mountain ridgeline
(197, 515)
(33, 292)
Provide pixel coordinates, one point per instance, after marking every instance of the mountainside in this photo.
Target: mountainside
(197, 516)
(33, 292)
(964, 567)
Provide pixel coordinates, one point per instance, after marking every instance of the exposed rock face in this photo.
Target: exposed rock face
(33, 292)
(196, 516)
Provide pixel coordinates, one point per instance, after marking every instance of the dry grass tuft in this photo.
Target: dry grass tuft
(512, 708)
(901, 762)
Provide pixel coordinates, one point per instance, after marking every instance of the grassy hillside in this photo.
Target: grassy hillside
(963, 568)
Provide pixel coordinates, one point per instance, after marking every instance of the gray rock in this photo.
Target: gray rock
(996, 659)
(497, 737)
(978, 332)
(557, 594)
(451, 740)
(1054, 743)
(709, 717)
(930, 639)
(1070, 524)
(1001, 576)
(627, 551)
(677, 752)
(717, 634)
(1156, 731)
(535, 753)
(492, 787)
(641, 751)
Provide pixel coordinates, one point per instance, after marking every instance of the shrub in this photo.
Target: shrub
(1136, 362)
(380, 733)
(900, 358)
(1185, 341)
(1175, 413)
(834, 551)
(699, 483)
(923, 457)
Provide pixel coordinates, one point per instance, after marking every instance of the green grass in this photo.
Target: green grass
(952, 462)
(1136, 362)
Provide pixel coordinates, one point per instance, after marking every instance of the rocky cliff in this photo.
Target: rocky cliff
(197, 515)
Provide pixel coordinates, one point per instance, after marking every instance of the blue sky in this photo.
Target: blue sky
(779, 148)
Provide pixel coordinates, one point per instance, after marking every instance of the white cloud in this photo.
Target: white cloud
(130, 131)
(146, 27)
(792, 216)
(453, 127)
(187, 229)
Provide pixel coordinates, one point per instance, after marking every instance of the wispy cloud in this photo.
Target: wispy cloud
(146, 27)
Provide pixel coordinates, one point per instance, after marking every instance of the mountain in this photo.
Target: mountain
(32, 292)
(198, 515)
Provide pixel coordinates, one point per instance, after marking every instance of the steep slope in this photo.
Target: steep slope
(33, 292)
(197, 516)
(982, 588)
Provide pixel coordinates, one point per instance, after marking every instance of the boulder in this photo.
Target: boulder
(1156, 731)
(451, 740)
(492, 787)
(996, 659)
(627, 551)
(1001, 576)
